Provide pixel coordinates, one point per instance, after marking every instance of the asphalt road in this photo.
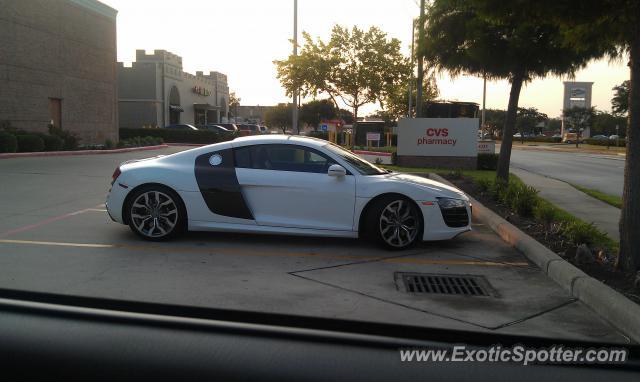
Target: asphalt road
(600, 172)
(55, 236)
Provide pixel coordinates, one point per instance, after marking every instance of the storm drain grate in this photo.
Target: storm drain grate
(425, 283)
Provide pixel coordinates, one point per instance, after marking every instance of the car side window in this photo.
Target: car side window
(282, 158)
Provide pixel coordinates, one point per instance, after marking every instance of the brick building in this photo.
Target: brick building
(156, 91)
(58, 64)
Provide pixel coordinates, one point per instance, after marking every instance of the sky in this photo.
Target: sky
(241, 38)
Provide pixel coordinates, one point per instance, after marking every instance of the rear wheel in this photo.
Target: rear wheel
(394, 222)
(156, 213)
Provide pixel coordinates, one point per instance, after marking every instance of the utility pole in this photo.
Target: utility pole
(294, 114)
(484, 101)
(420, 62)
(413, 31)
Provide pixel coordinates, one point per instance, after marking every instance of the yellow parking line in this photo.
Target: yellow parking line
(170, 249)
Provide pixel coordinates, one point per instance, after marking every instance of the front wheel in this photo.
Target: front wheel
(394, 222)
(156, 213)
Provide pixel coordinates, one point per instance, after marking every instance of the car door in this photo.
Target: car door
(287, 185)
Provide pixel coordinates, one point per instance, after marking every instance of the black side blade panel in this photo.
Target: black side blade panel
(219, 185)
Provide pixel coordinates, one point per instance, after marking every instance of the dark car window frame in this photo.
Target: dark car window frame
(251, 151)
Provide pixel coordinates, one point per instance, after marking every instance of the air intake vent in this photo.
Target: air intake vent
(455, 217)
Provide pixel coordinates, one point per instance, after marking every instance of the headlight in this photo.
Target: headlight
(450, 203)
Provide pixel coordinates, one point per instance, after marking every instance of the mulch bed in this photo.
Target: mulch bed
(601, 269)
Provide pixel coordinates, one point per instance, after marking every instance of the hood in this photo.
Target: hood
(430, 184)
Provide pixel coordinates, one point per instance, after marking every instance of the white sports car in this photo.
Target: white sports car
(283, 184)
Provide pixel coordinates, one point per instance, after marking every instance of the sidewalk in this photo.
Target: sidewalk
(575, 202)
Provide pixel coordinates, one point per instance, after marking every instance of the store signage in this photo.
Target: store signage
(373, 136)
(486, 147)
(455, 137)
(199, 90)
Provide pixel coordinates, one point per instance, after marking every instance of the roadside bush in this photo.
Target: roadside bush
(484, 184)
(487, 161)
(580, 232)
(108, 144)
(8, 142)
(140, 142)
(29, 143)
(52, 142)
(178, 136)
(545, 213)
(605, 142)
(319, 134)
(69, 140)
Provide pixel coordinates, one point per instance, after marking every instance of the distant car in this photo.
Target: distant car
(556, 136)
(600, 137)
(228, 126)
(249, 129)
(181, 126)
(217, 129)
(264, 129)
(614, 137)
(517, 135)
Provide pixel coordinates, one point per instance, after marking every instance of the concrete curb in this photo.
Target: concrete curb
(619, 311)
(79, 152)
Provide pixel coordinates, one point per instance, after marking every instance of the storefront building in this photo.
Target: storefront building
(58, 66)
(155, 91)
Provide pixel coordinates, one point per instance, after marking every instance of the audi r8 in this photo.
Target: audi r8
(281, 184)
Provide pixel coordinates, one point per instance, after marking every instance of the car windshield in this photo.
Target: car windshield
(430, 167)
(360, 165)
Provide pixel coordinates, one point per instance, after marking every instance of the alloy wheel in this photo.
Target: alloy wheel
(398, 224)
(154, 214)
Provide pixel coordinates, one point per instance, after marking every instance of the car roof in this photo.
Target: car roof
(278, 138)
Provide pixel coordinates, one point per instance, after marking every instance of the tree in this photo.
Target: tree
(234, 102)
(605, 123)
(578, 119)
(620, 100)
(279, 116)
(612, 27)
(396, 98)
(528, 119)
(358, 67)
(312, 112)
(494, 38)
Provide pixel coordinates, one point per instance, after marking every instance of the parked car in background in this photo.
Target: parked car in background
(217, 129)
(600, 137)
(249, 129)
(517, 135)
(264, 129)
(614, 137)
(181, 126)
(228, 126)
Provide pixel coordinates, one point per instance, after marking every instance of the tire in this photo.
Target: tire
(156, 213)
(394, 222)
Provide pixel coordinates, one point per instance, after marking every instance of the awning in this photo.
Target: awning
(176, 108)
(205, 106)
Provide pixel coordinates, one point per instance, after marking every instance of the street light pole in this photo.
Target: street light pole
(420, 62)
(484, 101)
(413, 31)
(294, 114)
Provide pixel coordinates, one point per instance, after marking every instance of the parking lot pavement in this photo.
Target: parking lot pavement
(57, 237)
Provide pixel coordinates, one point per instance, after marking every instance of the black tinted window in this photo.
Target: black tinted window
(282, 158)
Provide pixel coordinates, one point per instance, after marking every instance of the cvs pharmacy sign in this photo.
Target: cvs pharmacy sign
(438, 137)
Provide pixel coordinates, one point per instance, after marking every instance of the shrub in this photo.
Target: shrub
(178, 136)
(29, 143)
(319, 134)
(487, 161)
(8, 143)
(605, 142)
(69, 139)
(525, 199)
(52, 142)
(484, 184)
(580, 232)
(545, 213)
(140, 142)
(108, 144)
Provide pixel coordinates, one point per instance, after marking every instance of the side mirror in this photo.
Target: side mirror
(336, 170)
